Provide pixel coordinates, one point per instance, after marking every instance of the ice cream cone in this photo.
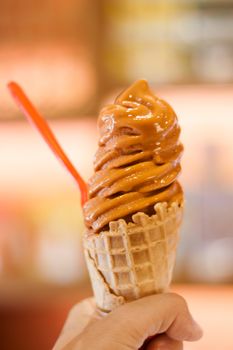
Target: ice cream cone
(133, 259)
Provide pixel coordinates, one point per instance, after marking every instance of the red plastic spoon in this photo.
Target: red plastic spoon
(39, 122)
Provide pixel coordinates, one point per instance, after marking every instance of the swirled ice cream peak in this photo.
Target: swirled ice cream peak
(138, 159)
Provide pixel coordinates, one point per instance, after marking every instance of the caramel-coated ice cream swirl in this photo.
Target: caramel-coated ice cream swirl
(138, 160)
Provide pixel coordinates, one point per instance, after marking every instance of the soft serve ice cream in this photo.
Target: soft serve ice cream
(138, 159)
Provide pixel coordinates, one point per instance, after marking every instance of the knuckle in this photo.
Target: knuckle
(178, 300)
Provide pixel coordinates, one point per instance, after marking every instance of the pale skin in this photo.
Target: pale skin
(158, 322)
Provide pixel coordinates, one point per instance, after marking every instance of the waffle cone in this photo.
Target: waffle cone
(134, 259)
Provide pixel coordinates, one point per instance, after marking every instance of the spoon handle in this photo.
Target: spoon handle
(40, 123)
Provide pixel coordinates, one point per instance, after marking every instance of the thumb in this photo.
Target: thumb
(163, 313)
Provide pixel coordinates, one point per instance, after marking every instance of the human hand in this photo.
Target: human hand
(157, 322)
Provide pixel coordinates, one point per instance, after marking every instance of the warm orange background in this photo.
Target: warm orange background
(72, 58)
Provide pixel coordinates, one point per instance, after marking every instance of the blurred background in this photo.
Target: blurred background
(72, 57)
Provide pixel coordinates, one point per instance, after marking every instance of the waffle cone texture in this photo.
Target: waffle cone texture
(133, 259)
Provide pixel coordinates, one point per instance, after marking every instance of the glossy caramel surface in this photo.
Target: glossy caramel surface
(138, 159)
